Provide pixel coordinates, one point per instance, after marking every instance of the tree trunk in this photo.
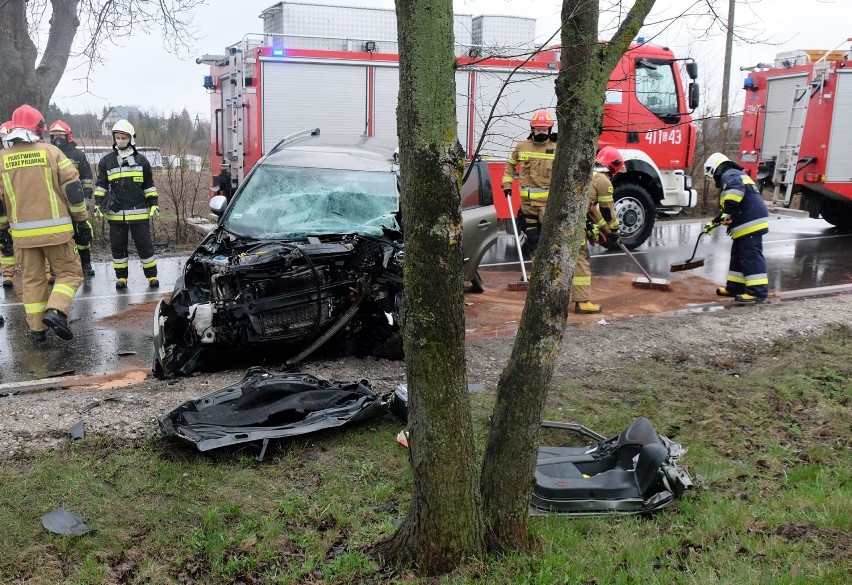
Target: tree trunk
(510, 456)
(444, 524)
(22, 81)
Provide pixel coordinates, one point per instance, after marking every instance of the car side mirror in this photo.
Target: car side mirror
(218, 204)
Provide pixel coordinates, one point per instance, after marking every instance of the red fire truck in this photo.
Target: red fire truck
(797, 124)
(271, 85)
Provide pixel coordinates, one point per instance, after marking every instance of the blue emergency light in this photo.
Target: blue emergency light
(277, 52)
(748, 84)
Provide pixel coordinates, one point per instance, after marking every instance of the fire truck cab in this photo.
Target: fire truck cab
(797, 123)
(271, 85)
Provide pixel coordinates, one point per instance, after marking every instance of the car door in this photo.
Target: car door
(479, 231)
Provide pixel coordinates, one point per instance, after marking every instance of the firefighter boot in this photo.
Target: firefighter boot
(57, 321)
(8, 282)
(586, 308)
(723, 292)
(121, 284)
(38, 337)
(153, 282)
(86, 262)
(747, 299)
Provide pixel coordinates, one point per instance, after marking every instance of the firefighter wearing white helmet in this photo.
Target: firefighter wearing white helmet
(43, 209)
(125, 193)
(745, 214)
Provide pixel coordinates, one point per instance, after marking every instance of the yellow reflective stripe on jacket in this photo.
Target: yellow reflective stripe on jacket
(45, 231)
(77, 208)
(601, 222)
(65, 162)
(31, 308)
(735, 196)
(7, 260)
(534, 193)
(750, 227)
(536, 155)
(4, 219)
(100, 192)
(135, 175)
(150, 192)
(10, 193)
(65, 290)
(54, 203)
(582, 281)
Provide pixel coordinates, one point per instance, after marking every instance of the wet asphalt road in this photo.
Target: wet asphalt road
(800, 253)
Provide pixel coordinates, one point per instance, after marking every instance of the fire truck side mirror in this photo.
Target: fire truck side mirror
(694, 96)
(692, 69)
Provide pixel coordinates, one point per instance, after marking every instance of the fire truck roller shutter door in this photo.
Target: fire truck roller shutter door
(529, 92)
(779, 102)
(291, 89)
(839, 166)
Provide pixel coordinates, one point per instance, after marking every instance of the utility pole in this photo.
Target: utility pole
(726, 78)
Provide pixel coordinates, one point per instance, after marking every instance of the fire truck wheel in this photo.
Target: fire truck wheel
(635, 210)
(837, 213)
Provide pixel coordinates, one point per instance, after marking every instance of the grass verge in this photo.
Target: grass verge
(768, 441)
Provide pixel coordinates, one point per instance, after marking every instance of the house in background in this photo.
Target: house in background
(118, 113)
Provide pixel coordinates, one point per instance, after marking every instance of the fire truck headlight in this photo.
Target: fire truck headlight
(687, 182)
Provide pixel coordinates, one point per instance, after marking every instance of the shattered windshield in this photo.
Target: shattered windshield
(295, 202)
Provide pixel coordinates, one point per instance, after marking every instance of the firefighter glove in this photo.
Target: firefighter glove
(97, 213)
(709, 227)
(82, 233)
(594, 234)
(154, 212)
(507, 192)
(6, 243)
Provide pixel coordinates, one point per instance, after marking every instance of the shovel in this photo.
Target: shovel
(647, 282)
(693, 262)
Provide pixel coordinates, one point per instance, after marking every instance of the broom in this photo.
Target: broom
(647, 282)
(524, 283)
(693, 262)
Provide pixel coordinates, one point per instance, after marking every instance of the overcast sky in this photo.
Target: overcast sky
(140, 72)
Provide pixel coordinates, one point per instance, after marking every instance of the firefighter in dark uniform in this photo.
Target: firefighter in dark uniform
(744, 213)
(7, 255)
(534, 159)
(62, 138)
(43, 208)
(125, 193)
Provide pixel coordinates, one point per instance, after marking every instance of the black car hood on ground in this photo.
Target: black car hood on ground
(265, 405)
(341, 292)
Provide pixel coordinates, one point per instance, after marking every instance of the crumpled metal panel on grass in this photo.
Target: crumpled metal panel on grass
(265, 405)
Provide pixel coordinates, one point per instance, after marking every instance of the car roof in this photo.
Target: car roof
(336, 151)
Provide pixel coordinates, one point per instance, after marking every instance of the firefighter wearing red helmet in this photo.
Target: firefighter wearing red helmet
(62, 138)
(43, 206)
(7, 256)
(533, 158)
(601, 223)
(125, 193)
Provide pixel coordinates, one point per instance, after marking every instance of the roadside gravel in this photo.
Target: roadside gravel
(37, 422)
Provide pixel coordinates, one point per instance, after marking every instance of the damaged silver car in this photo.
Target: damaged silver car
(306, 256)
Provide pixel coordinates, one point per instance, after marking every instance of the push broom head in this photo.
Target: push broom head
(653, 283)
(520, 286)
(688, 265)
